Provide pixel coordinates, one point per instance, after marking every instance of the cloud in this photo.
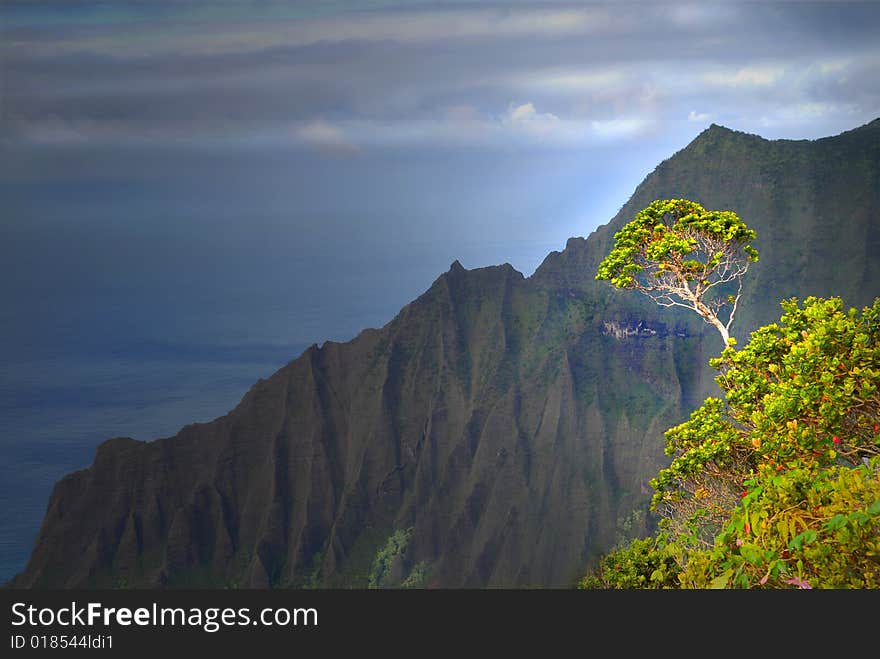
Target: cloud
(336, 77)
(49, 131)
(525, 120)
(690, 15)
(814, 110)
(754, 76)
(833, 66)
(521, 126)
(247, 32)
(526, 114)
(619, 128)
(326, 138)
(571, 81)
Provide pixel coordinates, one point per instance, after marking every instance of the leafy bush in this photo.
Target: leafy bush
(777, 485)
(386, 556)
(805, 528)
(643, 563)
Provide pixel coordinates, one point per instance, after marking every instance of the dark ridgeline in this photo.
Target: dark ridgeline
(495, 432)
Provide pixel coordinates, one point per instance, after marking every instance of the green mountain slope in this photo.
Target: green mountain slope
(496, 432)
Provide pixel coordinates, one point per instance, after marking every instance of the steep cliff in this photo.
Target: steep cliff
(496, 432)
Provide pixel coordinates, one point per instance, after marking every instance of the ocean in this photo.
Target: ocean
(144, 366)
(148, 290)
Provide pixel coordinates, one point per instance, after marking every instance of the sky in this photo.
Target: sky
(193, 192)
(343, 80)
(337, 156)
(348, 77)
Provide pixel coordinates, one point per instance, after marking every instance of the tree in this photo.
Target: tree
(778, 485)
(679, 254)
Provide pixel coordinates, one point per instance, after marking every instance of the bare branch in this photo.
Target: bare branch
(735, 303)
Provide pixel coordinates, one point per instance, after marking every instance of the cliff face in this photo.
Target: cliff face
(494, 433)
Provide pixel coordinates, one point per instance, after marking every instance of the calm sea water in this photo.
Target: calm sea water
(150, 333)
(145, 289)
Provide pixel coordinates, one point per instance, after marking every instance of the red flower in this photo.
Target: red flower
(835, 439)
(743, 495)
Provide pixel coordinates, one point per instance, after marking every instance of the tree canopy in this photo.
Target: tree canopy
(778, 485)
(680, 254)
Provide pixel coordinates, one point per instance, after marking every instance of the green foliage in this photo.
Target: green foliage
(779, 484)
(380, 574)
(803, 392)
(628, 526)
(806, 389)
(417, 577)
(313, 577)
(643, 563)
(666, 232)
(803, 528)
(679, 254)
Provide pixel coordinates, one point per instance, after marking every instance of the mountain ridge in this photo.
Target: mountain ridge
(505, 426)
